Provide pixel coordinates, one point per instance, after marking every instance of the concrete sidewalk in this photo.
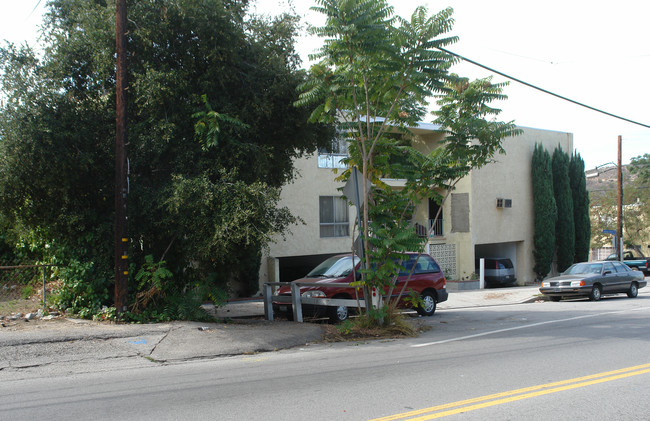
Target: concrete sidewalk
(457, 299)
(29, 345)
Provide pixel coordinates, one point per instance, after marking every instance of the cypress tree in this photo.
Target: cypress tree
(545, 211)
(580, 208)
(564, 228)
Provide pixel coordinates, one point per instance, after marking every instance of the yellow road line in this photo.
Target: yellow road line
(518, 394)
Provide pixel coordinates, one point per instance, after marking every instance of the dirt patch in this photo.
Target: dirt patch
(56, 323)
(18, 298)
(495, 295)
(339, 333)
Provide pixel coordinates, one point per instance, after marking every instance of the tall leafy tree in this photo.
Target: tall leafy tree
(565, 227)
(545, 211)
(376, 75)
(212, 135)
(376, 72)
(580, 208)
(640, 165)
(604, 214)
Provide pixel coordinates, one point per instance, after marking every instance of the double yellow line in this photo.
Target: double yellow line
(516, 395)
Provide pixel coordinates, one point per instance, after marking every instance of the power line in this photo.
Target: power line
(35, 7)
(541, 89)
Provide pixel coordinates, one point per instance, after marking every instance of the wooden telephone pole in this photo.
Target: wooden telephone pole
(121, 186)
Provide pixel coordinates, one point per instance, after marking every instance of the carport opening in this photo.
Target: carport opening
(496, 250)
(296, 267)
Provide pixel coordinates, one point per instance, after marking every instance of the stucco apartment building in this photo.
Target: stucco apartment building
(489, 214)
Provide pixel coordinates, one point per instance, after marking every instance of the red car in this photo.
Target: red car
(427, 279)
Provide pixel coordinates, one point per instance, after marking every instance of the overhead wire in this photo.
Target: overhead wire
(530, 85)
(35, 7)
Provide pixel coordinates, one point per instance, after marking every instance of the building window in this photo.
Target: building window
(333, 155)
(334, 220)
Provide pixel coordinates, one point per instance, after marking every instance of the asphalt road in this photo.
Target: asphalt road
(570, 360)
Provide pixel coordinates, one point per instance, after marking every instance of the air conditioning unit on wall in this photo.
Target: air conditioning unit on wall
(504, 203)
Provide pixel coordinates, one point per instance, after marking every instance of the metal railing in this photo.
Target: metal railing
(435, 227)
(296, 300)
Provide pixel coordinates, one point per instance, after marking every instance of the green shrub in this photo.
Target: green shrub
(26, 292)
(161, 298)
(83, 291)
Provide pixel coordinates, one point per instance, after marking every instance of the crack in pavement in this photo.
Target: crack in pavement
(161, 339)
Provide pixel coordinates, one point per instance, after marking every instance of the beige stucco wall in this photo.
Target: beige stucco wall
(301, 197)
(509, 177)
(462, 241)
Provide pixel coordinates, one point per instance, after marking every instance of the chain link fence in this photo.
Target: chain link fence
(23, 275)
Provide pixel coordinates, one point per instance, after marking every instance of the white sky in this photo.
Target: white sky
(595, 52)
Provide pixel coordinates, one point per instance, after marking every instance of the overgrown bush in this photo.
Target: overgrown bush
(204, 185)
(83, 290)
(159, 298)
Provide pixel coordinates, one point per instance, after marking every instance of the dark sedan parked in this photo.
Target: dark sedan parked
(593, 280)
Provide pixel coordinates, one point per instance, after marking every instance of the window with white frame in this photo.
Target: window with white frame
(334, 220)
(334, 153)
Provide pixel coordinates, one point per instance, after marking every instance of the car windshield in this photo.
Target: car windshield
(334, 267)
(584, 268)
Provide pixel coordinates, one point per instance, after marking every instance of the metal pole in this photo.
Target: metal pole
(295, 302)
(121, 240)
(619, 195)
(268, 304)
(44, 307)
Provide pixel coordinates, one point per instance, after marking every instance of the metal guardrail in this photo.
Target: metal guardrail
(296, 300)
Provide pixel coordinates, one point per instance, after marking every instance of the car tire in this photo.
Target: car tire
(556, 299)
(338, 314)
(633, 291)
(595, 293)
(429, 304)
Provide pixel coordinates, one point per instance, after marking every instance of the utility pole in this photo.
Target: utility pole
(619, 198)
(121, 239)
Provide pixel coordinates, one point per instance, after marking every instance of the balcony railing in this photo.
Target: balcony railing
(435, 227)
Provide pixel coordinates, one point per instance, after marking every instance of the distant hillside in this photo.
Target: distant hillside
(605, 179)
